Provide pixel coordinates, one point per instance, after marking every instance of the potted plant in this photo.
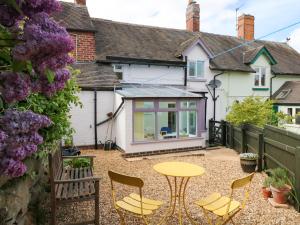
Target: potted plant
(266, 191)
(279, 185)
(248, 162)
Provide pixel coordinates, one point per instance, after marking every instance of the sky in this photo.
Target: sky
(216, 16)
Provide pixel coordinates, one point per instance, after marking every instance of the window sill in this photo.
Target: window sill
(167, 140)
(260, 89)
(196, 79)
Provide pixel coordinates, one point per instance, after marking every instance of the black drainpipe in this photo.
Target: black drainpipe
(185, 70)
(271, 85)
(95, 119)
(214, 94)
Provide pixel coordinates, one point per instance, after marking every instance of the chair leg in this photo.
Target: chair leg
(207, 217)
(97, 203)
(145, 220)
(53, 213)
(122, 219)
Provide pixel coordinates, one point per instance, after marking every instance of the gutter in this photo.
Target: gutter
(185, 71)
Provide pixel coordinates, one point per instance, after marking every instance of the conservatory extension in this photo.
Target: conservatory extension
(157, 118)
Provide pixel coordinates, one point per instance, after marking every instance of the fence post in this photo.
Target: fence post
(231, 136)
(243, 141)
(210, 131)
(297, 176)
(223, 125)
(260, 152)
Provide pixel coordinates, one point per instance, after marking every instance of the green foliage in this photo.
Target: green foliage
(267, 182)
(57, 108)
(252, 110)
(279, 177)
(77, 163)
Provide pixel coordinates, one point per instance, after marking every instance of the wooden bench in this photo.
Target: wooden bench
(72, 185)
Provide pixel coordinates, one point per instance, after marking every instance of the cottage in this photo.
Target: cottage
(151, 88)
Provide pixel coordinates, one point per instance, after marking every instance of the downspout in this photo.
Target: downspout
(114, 115)
(271, 85)
(214, 94)
(185, 71)
(95, 119)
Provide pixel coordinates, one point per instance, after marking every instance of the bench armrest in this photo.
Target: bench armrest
(86, 179)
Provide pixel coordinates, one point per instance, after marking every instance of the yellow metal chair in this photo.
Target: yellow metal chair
(135, 204)
(225, 208)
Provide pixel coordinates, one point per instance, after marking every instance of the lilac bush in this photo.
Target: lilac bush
(38, 49)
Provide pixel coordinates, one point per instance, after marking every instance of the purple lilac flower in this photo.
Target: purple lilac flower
(12, 168)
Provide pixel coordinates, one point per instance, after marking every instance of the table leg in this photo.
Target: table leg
(184, 204)
(180, 198)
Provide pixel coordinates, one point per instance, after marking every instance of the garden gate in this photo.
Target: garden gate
(217, 133)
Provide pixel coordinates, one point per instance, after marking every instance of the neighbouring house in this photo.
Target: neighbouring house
(287, 99)
(146, 88)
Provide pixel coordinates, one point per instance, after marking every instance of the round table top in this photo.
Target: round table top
(179, 169)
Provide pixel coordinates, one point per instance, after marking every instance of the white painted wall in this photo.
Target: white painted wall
(120, 123)
(153, 74)
(82, 119)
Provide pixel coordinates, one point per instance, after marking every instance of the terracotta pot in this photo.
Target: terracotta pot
(248, 166)
(281, 195)
(266, 192)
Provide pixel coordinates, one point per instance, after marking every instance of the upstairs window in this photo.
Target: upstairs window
(260, 77)
(196, 69)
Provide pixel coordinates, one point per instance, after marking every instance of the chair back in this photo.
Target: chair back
(126, 180)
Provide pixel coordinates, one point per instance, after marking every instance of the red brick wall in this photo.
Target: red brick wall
(85, 46)
(246, 27)
(193, 17)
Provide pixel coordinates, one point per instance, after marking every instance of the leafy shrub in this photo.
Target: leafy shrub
(77, 163)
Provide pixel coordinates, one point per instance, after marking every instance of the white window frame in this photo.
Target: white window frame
(259, 73)
(117, 70)
(197, 75)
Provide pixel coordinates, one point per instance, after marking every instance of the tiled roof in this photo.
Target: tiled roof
(74, 17)
(101, 77)
(292, 90)
(147, 42)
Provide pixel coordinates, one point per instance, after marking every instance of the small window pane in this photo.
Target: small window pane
(144, 126)
(167, 105)
(166, 125)
(144, 105)
(188, 105)
(187, 124)
(200, 68)
(263, 77)
(192, 69)
(256, 80)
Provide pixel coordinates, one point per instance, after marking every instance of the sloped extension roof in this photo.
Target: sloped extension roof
(155, 91)
(94, 76)
(74, 17)
(288, 93)
(252, 55)
(116, 39)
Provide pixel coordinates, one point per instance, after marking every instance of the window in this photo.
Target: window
(290, 111)
(144, 126)
(196, 69)
(118, 68)
(260, 77)
(163, 120)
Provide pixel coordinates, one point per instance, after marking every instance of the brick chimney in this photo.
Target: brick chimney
(80, 2)
(246, 27)
(193, 16)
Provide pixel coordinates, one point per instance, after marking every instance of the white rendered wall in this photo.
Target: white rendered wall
(153, 74)
(120, 123)
(153, 146)
(82, 119)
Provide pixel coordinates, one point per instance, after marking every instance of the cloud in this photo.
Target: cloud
(295, 39)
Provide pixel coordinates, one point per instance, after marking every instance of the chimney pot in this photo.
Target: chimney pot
(246, 27)
(193, 16)
(80, 2)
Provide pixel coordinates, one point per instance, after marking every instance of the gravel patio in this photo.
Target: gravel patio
(222, 166)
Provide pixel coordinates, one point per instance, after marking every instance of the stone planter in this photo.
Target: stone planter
(280, 195)
(248, 165)
(266, 192)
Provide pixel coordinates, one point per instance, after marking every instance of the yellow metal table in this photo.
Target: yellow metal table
(181, 172)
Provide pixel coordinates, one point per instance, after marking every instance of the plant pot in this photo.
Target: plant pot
(248, 166)
(280, 195)
(266, 192)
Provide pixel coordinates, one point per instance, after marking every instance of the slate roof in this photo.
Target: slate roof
(74, 17)
(293, 96)
(93, 75)
(146, 42)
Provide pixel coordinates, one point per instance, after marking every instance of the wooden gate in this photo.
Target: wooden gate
(217, 133)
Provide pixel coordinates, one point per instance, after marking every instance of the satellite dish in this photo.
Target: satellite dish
(214, 84)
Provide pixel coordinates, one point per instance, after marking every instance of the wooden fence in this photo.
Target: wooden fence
(275, 147)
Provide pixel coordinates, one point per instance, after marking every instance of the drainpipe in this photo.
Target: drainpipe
(95, 119)
(271, 85)
(185, 71)
(214, 94)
